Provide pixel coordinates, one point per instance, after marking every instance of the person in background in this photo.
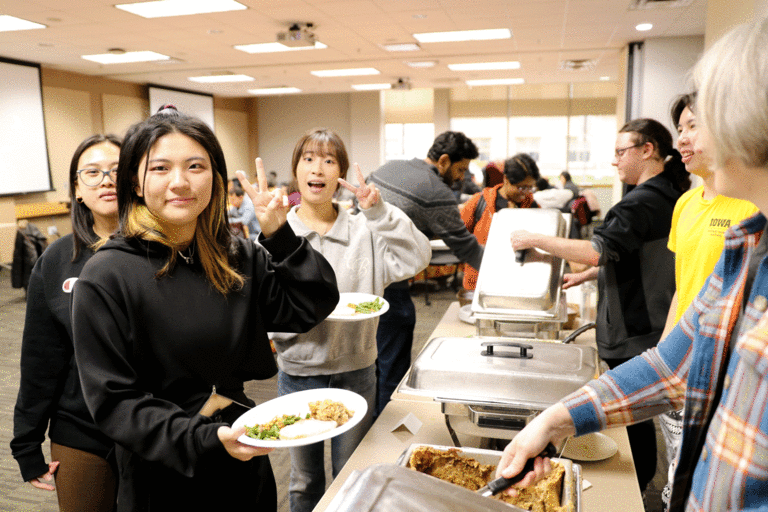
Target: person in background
(465, 188)
(699, 223)
(515, 191)
(629, 253)
(566, 183)
(291, 191)
(713, 361)
(548, 196)
(368, 251)
(493, 174)
(241, 209)
(172, 315)
(50, 397)
(422, 189)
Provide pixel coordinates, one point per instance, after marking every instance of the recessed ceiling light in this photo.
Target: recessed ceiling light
(496, 81)
(371, 87)
(165, 8)
(276, 47)
(401, 47)
(605, 78)
(484, 66)
(464, 35)
(422, 63)
(217, 79)
(643, 27)
(419, 16)
(127, 57)
(346, 72)
(10, 23)
(274, 90)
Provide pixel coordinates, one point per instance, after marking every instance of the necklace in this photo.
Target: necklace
(189, 260)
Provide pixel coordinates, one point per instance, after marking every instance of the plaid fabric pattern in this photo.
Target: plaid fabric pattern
(723, 463)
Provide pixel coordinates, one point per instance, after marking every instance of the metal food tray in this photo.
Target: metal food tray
(572, 482)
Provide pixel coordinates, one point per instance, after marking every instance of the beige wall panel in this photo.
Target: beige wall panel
(68, 120)
(414, 106)
(281, 121)
(365, 145)
(232, 132)
(120, 112)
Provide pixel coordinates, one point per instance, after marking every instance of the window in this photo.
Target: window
(408, 140)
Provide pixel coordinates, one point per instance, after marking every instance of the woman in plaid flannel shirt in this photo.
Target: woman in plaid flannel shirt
(715, 361)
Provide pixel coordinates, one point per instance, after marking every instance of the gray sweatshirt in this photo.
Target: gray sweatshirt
(368, 251)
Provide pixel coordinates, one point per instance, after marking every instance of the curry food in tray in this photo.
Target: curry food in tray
(451, 466)
(324, 415)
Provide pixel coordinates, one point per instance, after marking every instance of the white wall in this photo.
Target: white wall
(355, 117)
(667, 62)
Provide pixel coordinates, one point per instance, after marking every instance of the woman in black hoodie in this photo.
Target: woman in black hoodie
(50, 397)
(176, 309)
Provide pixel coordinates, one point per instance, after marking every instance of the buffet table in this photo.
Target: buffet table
(613, 480)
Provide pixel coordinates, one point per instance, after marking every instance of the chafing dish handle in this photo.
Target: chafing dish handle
(523, 354)
(578, 331)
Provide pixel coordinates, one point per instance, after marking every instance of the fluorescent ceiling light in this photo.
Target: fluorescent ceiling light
(371, 87)
(484, 66)
(10, 23)
(217, 79)
(276, 47)
(346, 72)
(464, 35)
(643, 27)
(165, 8)
(127, 57)
(274, 90)
(401, 47)
(605, 78)
(496, 81)
(422, 64)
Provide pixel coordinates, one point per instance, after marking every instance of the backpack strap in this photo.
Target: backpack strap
(479, 209)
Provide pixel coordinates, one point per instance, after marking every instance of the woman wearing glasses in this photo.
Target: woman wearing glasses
(515, 191)
(629, 257)
(50, 397)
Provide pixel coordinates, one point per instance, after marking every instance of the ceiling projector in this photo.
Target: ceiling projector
(297, 36)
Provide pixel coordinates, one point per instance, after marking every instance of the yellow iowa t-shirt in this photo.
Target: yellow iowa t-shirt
(697, 239)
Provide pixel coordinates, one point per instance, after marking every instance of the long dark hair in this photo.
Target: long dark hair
(213, 238)
(649, 130)
(81, 215)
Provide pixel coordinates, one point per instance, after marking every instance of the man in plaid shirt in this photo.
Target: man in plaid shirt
(715, 361)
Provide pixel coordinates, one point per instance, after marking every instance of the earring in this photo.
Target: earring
(79, 200)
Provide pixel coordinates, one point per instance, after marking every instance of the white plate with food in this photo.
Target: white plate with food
(347, 407)
(590, 447)
(353, 307)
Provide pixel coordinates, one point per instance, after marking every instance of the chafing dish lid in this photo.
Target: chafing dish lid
(504, 284)
(388, 487)
(451, 369)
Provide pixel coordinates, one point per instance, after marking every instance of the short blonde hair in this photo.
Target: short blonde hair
(732, 104)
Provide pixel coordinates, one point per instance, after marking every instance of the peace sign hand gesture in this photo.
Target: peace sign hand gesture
(269, 206)
(367, 195)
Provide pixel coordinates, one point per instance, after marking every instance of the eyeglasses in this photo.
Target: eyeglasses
(92, 176)
(526, 189)
(620, 151)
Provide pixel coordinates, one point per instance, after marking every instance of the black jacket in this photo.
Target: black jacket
(49, 387)
(150, 350)
(636, 281)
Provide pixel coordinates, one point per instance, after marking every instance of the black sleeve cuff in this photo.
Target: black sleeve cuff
(282, 242)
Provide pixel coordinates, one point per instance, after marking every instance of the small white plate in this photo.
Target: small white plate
(466, 315)
(344, 313)
(298, 404)
(590, 447)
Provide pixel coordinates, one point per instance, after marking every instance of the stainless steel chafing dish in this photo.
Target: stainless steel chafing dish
(389, 487)
(571, 493)
(520, 295)
(492, 388)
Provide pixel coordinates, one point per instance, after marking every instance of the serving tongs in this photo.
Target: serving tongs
(494, 487)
